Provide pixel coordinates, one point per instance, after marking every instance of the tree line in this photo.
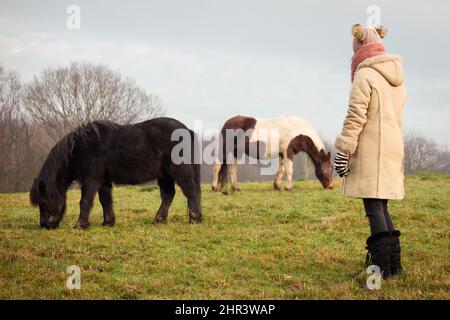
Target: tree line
(37, 114)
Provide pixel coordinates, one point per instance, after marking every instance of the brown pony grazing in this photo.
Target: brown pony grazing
(284, 137)
(101, 153)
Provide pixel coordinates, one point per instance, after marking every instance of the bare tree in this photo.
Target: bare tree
(20, 148)
(443, 160)
(420, 153)
(60, 99)
(9, 111)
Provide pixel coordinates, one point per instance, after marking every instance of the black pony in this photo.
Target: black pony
(101, 153)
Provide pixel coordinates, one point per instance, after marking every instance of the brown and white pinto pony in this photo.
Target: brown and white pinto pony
(295, 135)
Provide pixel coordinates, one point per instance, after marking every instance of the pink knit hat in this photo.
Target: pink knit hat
(365, 35)
(366, 44)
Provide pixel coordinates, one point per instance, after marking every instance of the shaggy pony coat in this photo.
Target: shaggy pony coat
(102, 153)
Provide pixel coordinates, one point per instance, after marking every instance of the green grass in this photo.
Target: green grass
(257, 244)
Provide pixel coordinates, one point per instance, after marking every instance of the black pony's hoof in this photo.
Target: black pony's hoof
(195, 220)
(159, 220)
(81, 226)
(226, 193)
(108, 223)
(50, 227)
(195, 217)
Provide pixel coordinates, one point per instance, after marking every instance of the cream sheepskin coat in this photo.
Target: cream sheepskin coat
(372, 133)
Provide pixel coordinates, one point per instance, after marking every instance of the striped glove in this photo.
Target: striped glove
(341, 164)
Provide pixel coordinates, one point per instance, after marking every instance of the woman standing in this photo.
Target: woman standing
(370, 146)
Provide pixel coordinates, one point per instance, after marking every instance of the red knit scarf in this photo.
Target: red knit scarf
(366, 51)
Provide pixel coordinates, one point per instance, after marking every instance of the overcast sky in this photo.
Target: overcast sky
(211, 59)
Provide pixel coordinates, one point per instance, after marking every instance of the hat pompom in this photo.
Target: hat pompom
(381, 31)
(358, 32)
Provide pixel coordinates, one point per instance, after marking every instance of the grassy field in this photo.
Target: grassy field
(257, 244)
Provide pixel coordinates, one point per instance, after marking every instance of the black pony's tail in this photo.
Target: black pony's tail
(197, 175)
(197, 184)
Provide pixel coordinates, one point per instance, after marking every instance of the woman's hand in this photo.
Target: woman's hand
(341, 164)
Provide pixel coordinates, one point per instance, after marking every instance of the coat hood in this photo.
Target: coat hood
(388, 65)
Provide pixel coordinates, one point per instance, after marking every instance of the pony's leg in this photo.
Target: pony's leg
(191, 189)
(233, 176)
(215, 182)
(193, 197)
(167, 191)
(289, 167)
(105, 196)
(89, 188)
(280, 173)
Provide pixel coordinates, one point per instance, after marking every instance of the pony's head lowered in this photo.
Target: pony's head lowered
(324, 169)
(49, 188)
(52, 204)
(320, 158)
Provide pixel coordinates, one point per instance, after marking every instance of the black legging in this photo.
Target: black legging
(378, 214)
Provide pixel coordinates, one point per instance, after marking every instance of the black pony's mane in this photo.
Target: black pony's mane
(61, 154)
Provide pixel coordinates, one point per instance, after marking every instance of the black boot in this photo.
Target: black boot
(379, 252)
(396, 266)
